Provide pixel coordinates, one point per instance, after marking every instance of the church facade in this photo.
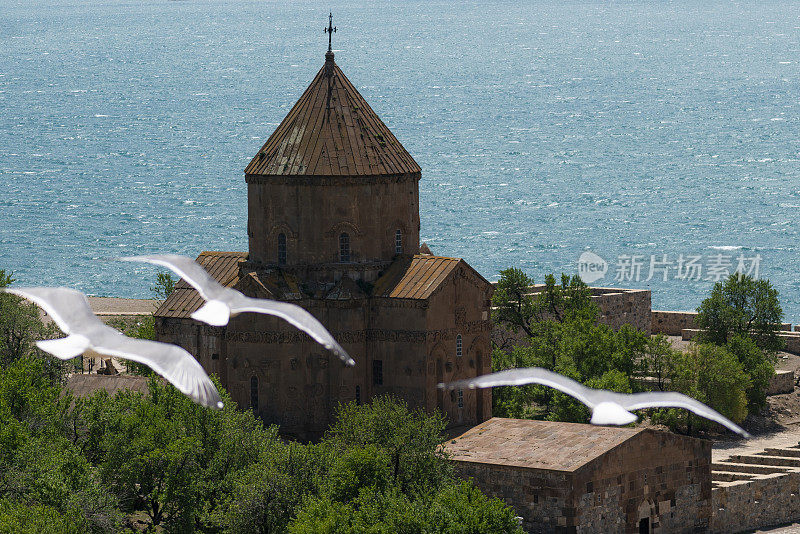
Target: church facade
(333, 226)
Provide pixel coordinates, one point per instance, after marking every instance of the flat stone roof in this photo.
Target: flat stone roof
(536, 444)
(82, 385)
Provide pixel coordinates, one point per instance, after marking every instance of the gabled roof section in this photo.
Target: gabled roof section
(537, 444)
(418, 277)
(332, 131)
(185, 300)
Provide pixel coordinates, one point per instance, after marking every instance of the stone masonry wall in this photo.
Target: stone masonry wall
(671, 323)
(756, 503)
(538, 496)
(655, 475)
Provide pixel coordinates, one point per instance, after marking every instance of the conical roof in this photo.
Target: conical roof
(331, 131)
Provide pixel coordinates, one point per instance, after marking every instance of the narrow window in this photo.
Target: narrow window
(458, 346)
(377, 372)
(281, 249)
(254, 393)
(358, 395)
(398, 242)
(460, 398)
(344, 248)
(215, 356)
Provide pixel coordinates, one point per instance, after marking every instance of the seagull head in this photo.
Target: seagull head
(611, 413)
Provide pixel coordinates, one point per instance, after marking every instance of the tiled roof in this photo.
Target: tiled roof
(184, 300)
(332, 131)
(417, 278)
(536, 444)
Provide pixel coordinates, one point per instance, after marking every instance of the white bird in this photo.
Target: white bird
(86, 334)
(222, 302)
(608, 407)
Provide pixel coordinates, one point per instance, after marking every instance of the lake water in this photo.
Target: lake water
(544, 129)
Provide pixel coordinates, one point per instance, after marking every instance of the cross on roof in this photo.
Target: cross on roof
(330, 30)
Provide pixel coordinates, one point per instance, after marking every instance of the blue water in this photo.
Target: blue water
(543, 129)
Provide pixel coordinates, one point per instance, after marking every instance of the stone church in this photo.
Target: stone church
(333, 226)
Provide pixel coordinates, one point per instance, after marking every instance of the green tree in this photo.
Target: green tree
(41, 470)
(516, 306)
(712, 375)
(513, 305)
(165, 285)
(409, 439)
(745, 307)
(744, 315)
(20, 327)
(456, 508)
(579, 347)
(658, 361)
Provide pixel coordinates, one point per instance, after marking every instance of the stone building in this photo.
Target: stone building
(333, 226)
(569, 477)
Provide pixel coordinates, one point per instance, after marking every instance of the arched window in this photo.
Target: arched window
(281, 249)
(344, 248)
(254, 393)
(458, 346)
(398, 242)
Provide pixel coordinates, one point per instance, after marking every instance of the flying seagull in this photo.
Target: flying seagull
(224, 302)
(86, 333)
(608, 408)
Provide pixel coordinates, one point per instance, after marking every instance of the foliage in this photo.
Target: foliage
(744, 315)
(455, 509)
(163, 454)
(512, 301)
(20, 518)
(745, 307)
(409, 440)
(658, 361)
(516, 307)
(712, 375)
(20, 327)
(567, 338)
(99, 463)
(164, 286)
(42, 473)
(757, 364)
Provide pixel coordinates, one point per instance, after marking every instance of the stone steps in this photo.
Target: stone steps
(782, 461)
(749, 468)
(793, 452)
(729, 476)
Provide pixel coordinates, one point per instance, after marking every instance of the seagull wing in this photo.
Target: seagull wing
(529, 375)
(187, 269)
(170, 361)
(669, 399)
(68, 308)
(296, 316)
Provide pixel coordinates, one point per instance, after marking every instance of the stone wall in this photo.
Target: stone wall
(539, 496)
(781, 382)
(792, 339)
(659, 477)
(624, 306)
(671, 323)
(753, 504)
